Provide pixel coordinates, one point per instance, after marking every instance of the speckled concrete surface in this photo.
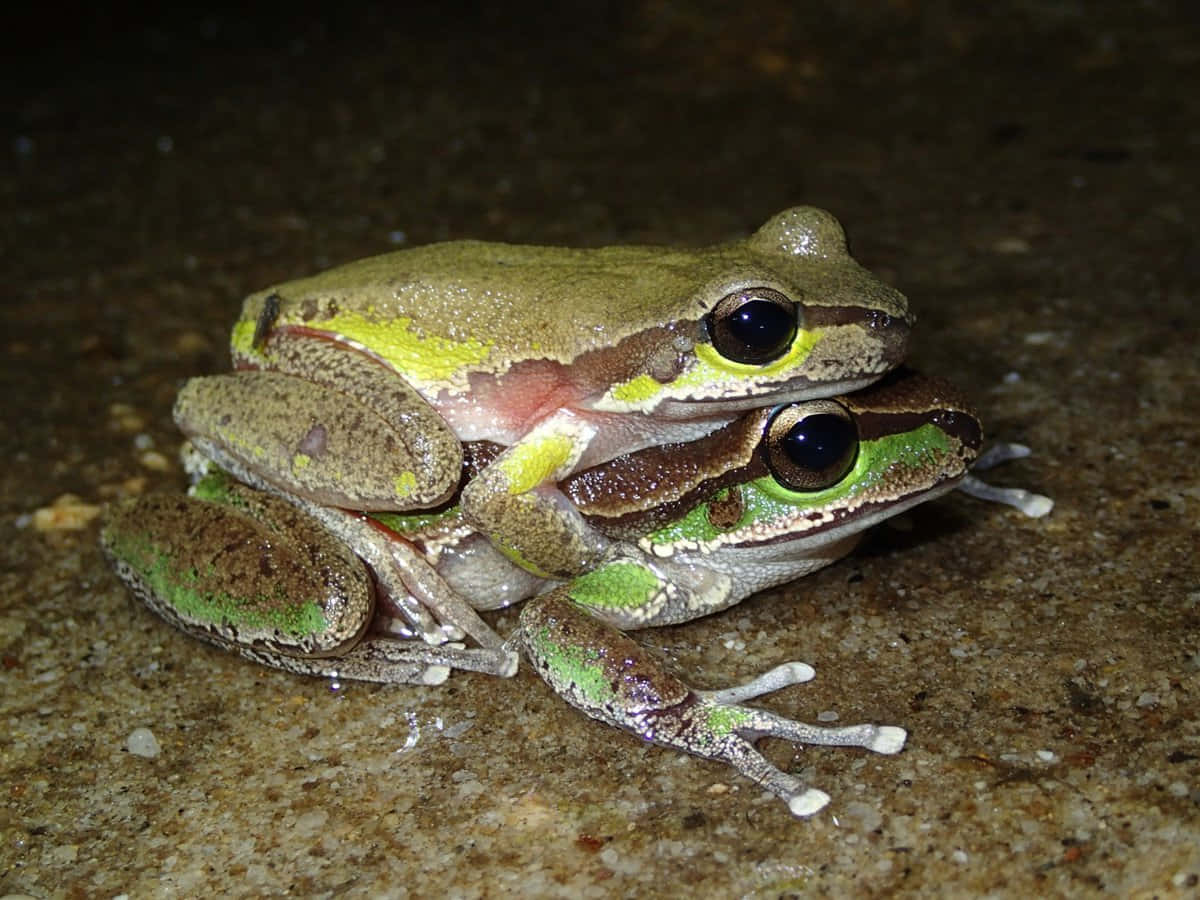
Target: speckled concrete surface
(1027, 175)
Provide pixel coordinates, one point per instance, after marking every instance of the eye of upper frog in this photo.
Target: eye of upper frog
(753, 325)
(811, 446)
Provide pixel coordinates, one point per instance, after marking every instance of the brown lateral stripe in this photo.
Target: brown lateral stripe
(638, 491)
(905, 400)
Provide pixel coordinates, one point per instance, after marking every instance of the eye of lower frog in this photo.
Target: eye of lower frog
(811, 446)
(754, 325)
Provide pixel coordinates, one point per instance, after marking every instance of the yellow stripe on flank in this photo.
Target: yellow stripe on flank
(428, 358)
(424, 358)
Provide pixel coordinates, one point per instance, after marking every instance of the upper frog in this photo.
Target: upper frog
(356, 387)
(778, 315)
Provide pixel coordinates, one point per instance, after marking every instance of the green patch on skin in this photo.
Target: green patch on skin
(184, 589)
(766, 499)
(413, 523)
(518, 558)
(577, 666)
(530, 462)
(723, 721)
(429, 359)
(242, 338)
(619, 585)
(301, 461)
(216, 487)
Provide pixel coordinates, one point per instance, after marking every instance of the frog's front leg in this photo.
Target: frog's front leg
(1033, 505)
(607, 675)
(515, 501)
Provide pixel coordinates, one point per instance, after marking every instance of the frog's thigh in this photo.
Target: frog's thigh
(265, 575)
(328, 446)
(264, 579)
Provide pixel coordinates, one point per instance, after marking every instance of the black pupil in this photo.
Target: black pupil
(762, 325)
(819, 442)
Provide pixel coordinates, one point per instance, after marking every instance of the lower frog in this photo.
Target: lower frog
(691, 529)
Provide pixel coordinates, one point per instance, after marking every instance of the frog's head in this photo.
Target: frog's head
(783, 491)
(786, 314)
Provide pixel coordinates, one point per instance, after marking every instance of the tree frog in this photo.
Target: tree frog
(688, 528)
(357, 387)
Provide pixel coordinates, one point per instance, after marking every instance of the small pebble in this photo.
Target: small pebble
(67, 513)
(1011, 246)
(155, 461)
(142, 742)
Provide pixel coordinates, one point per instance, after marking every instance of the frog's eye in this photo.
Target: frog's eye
(755, 325)
(811, 446)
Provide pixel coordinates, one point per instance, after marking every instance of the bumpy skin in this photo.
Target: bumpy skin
(715, 525)
(566, 357)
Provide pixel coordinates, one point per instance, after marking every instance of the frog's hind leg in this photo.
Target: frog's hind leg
(247, 571)
(608, 676)
(327, 423)
(435, 611)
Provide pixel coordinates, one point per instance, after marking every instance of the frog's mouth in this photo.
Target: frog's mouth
(718, 408)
